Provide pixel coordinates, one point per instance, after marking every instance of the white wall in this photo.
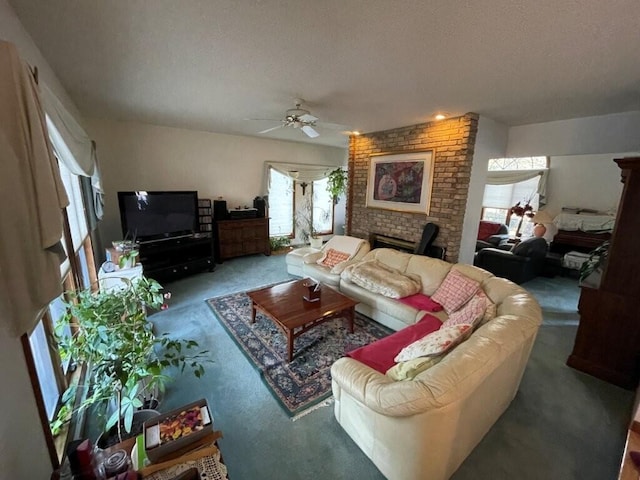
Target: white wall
(618, 132)
(136, 156)
(491, 142)
(23, 451)
(586, 181)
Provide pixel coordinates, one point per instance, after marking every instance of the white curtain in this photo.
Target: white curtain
(71, 143)
(520, 184)
(299, 172)
(73, 147)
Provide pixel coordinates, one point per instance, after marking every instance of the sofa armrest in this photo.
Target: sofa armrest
(488, 255)
(379, 392)
(312, 257)
(496, 239)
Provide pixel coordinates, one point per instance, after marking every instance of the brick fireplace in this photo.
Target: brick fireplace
(452, 142)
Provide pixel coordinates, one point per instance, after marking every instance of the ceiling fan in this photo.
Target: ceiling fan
(296, 118)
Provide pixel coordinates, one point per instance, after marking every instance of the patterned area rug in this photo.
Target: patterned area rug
(306, 381)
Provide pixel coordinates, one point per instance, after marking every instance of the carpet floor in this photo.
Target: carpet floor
(306, 381)
(563, 424)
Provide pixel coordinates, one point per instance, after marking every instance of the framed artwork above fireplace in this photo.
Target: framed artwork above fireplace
(400, 181)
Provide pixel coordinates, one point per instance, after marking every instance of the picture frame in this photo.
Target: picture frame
(400, 181)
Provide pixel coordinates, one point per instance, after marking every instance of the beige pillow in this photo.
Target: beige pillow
(436, 343)
(409, 369)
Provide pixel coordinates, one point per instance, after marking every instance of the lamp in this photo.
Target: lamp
(541, 216)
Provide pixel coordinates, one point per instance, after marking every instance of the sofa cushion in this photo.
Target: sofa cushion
(436, 343)
(379, 355)
(379, 278)
(333, 257)
(432, 272)
(402, 314)
(455, 291)
(409, 369)
(421, 301)
(471, 314)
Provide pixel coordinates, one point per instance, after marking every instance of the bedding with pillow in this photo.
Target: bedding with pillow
(409, 369)
(436, 343)
(377, 277)
(455, 291)
(471, 314)
(379, 355)
(333, 257)
(421, 301)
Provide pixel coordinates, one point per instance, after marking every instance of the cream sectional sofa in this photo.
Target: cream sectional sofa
(424, 428)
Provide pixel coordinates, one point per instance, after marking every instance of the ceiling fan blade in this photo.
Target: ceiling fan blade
(307, 117)
(271, 129)
(311, 133)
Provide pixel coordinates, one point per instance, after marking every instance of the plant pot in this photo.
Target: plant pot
(110, 437)
(315, 242)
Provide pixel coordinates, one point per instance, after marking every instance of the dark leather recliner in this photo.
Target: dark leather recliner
(490, 234)
(522, 263)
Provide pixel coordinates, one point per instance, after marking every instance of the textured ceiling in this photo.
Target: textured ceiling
(368, 65)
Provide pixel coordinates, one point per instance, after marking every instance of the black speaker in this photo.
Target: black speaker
(220, 211)
(260, 204)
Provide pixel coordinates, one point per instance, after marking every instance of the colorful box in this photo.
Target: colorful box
(177, 429)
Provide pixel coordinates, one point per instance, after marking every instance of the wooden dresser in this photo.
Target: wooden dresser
(235, 238)
(607, 343)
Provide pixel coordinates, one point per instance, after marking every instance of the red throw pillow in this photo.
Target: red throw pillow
(421, 302)
(487, 229)
(379, 355)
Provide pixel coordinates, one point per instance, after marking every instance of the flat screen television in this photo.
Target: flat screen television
(148, 216)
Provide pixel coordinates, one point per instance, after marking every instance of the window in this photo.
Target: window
(322, 208)
(521, 163)
(296, 205)
(499, 198)
(76, 272)
(280, 204)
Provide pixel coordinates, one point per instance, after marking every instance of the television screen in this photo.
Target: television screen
(155, 215)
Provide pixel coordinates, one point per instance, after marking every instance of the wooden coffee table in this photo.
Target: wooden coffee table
(285, 305)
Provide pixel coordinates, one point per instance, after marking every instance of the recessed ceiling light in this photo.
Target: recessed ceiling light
(355, 132)
(440, 116)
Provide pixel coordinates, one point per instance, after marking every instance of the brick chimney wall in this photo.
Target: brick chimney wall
(452, 142)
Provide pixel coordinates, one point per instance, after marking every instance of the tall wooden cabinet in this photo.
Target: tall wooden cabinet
(242, 237)
(607, 344)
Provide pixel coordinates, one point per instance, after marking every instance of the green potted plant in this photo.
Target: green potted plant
(304, 221)
(337, 183)
(112, 335)
(128, 252)
(279, 244)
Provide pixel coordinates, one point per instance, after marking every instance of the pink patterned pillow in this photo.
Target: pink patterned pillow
(470, 314)
(455, 291)
(491, 310)
(333, 257)
(436, 343)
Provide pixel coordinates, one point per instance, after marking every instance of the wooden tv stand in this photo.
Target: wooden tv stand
(173, 258)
